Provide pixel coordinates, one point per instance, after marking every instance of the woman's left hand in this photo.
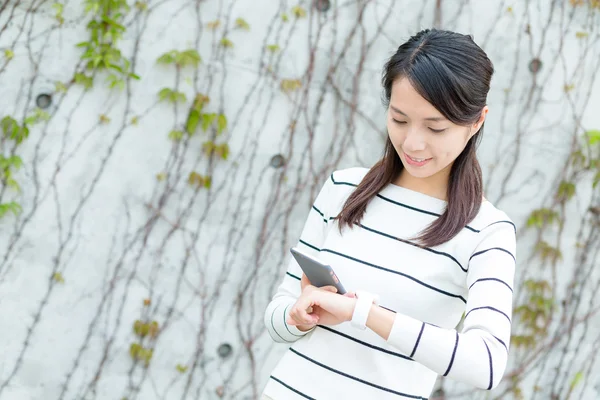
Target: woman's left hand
(322, 302)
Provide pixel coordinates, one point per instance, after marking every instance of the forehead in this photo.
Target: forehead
(405, 98)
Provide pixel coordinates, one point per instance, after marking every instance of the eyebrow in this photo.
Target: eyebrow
(426, 119)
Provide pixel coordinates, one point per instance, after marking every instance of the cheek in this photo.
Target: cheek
(394, 132)
(451, 146)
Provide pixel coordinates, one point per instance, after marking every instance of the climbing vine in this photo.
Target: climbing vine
(197, 117)
(537, 312)
(201, 136)
(100, 50)
(15, 133)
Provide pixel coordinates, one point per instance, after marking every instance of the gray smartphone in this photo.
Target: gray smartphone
(318, 273)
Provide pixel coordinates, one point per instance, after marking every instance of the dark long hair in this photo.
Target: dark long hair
(452, 73)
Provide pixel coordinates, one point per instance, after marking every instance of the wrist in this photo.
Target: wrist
(362, 308)
(354, 300)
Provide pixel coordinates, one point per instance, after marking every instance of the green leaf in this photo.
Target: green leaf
(242, 24)
(576, 379)
(167, 58)
(221, 123)
(541, 217)
(593, 136)
(207, 120)
(116, 68)
(226, 43)
(208, 147)
(195, 179)
(224, 151)
(176, 135)
(115, 81)
(566, 190)
(60, 87)
(180, 97)
(10, 127)
(82, 79)
(181, 368)
(15, 161)
(199, 101)
(11, 183)
(24, 134)
(58, 7)
(273, 48)
(191, 57)
(164, 94)
(596, 180)
(12, 207)
(192, 122)
(58, 277)
(299, 12)
(30, 120)
(142, 6)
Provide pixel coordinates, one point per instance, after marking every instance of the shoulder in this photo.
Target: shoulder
(349, 176)
(492, 221)
(340, 184)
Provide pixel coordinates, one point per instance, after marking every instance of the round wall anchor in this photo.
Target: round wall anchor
(224, 350)
(322, 5)
(277, 161)
(535, 65)
(43, 100)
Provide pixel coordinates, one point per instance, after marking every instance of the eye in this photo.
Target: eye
(399, 122)
(437, 130)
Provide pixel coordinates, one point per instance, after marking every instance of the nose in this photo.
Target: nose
(414, 141)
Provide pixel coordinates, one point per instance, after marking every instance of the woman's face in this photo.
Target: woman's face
(425, 140)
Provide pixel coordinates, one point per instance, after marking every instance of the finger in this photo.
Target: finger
(292, 319)
(350, 294)
(310, 320)
(332, 289)
(302, 316)
(300, 313)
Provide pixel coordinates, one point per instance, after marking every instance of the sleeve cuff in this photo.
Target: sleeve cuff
(405, 334)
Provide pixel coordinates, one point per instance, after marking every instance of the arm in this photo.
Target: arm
(478, 355)
(311, 240)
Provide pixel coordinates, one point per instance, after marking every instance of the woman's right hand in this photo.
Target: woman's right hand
(305, 315)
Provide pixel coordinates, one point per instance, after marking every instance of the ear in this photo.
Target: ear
(477, 125)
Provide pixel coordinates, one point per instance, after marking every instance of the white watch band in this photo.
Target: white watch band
(362, 308)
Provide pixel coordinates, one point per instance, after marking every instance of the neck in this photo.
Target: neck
(434, 186)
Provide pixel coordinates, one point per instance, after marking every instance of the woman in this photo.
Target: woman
(416, 241)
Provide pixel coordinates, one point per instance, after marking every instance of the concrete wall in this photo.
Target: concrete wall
(109, 230)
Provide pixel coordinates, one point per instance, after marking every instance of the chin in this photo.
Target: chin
(417, 172)
(421, 174)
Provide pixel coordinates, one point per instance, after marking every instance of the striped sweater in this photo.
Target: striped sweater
(469, 278)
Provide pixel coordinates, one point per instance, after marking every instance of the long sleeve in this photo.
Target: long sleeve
(477, 355)
(311, 240)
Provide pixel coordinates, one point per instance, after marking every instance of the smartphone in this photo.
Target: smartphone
(318, 273)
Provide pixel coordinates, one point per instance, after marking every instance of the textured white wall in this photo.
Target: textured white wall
(95, 214)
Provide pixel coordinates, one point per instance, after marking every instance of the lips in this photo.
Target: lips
(417, 162)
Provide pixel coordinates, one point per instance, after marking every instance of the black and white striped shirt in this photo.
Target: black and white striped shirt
(430, 289)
